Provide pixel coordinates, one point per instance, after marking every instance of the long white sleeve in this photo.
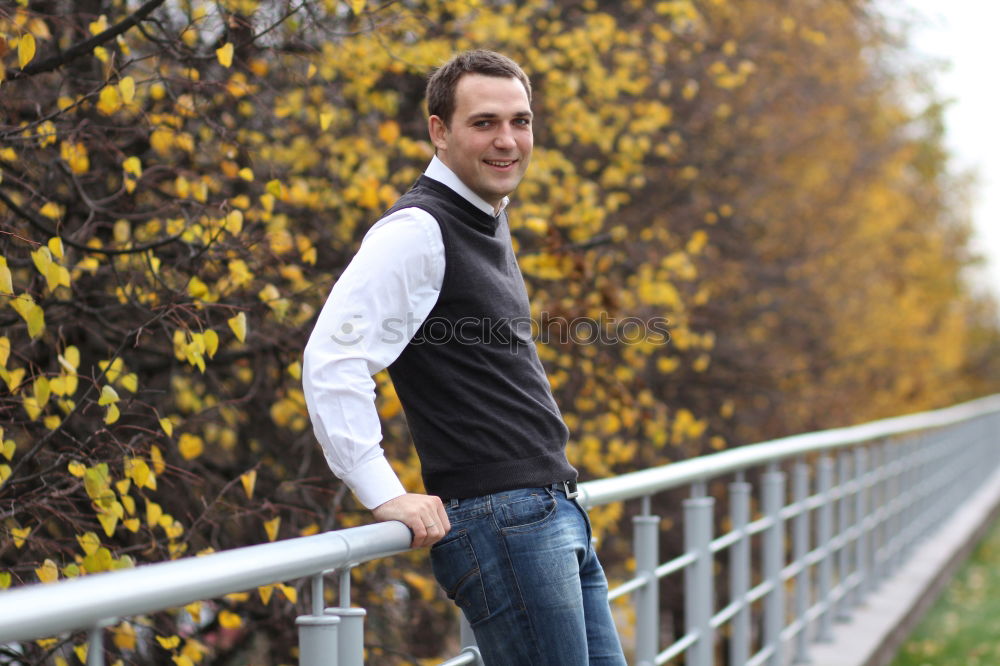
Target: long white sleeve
(370, 316)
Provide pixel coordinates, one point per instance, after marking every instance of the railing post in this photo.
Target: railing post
(861, 521)
(95, 646)
(318, 633)
(318, 640)
(465, 634)
(774, 556)
(843, 528)
(351, 647)
(739, 572)
(698, 589)
(824, 474)
(647, 599)
(800, 483)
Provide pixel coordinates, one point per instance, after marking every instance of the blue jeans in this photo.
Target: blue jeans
(521, 567)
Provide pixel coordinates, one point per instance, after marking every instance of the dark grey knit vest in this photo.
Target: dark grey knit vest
(475, 395)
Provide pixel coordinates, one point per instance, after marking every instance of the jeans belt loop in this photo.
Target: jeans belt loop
(571, 490)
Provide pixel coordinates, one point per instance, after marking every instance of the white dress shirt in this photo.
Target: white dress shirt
(371, 314)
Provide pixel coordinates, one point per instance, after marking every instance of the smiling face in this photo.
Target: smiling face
(489, 139)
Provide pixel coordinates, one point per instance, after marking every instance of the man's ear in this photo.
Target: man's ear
(437, 131)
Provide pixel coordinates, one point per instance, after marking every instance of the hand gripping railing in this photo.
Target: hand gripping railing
(866, 494)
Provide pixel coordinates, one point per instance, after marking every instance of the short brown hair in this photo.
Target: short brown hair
(443, 82)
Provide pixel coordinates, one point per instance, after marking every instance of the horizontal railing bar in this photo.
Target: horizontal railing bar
(762, 656)
(675, 564)
(41, 611)
(467, 657)
(727, 613)
(704, 468)
(679, 646)
(627, 587)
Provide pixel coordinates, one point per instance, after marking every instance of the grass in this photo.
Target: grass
(963, 627)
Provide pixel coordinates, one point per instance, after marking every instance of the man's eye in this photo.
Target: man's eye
(481, 123)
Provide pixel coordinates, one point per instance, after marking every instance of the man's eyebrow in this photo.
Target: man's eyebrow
(489, 115)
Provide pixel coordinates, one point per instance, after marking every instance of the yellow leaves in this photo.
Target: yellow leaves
(422, 584)
(168, 426)
(249, 480)
(6, 282)
(225, 55)
(138, 471)
(388, 132)
(271, 527)
(89, 542)
(55, 274)
(109, 100)
(230, 620)
(108, 396)
(76, 469)
(132, 166)
(168, 642)
(4, 350)
(238, 324)
(25, 50)
(48, 572)
(246, 173)
(8, 448)
(153, 513)
(123, 636)
(98, 26)
(20, 535)
(357, 6)
(75, 155)
(31, 312)
(190, 446)
(5, 580)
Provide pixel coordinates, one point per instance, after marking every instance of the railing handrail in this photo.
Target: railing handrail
(43, 610)
(677, 474)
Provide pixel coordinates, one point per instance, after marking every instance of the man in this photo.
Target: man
(435, 295)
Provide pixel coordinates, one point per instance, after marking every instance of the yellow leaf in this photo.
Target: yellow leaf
(182, 660)
(6, 282)
(109, 100)
(20, 535)
(77, 469)
(133, 165)
(357, 6)
(197, 288)
(137, 470)
(273, 188)
(13, 378)
(89, 542)
(239, 326)
(190, 446)
(271, 527)
(153, 513)
(32, 314)
(168, 643)
(168, 426)
(132, 524)
(130, 382)
(157, 457)
(225, 54)
(81, 653)
(230, 620)
(42, 391)
(309, 530)
(324, 120)
(108, 522)
(290, 592)
(126, 87)
(5, 580)
(4, 349)
(112, 415)
(31, 406)
(246, 173)
(98, 26)
(249, 480)
(25, 50)
(211, 339)
(194, 610)
(265, 593)
(5, 472)
(108, 396)
(48, 572)
(234, 222)
(52, 421)
(124, 636)
(55, 245)
(8, 448)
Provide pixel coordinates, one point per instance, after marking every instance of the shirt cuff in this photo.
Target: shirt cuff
(374, 483)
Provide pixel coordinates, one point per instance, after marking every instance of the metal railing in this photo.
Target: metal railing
(861, 498)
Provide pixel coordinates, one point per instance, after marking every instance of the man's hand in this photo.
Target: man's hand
(423, 514)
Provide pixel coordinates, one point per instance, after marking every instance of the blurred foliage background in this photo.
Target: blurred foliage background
(182, 181)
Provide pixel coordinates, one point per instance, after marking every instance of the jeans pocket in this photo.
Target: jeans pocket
(526, 513)
(457, 571)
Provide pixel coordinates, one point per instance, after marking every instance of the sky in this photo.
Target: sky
(963, 33)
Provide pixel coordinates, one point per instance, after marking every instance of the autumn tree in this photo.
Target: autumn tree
(183, 181)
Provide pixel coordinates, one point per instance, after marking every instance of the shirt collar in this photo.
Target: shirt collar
(440, 172)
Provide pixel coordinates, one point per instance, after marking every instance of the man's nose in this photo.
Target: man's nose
(504, 137)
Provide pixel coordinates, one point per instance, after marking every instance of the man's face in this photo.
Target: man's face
(488, 142)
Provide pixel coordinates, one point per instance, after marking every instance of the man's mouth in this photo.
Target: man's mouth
(502, 164)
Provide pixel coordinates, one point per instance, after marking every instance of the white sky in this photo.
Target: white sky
(964, 34)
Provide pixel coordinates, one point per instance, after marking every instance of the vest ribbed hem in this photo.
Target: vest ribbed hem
(488, 478)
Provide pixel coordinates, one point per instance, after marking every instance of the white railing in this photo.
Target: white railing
(861, 498)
